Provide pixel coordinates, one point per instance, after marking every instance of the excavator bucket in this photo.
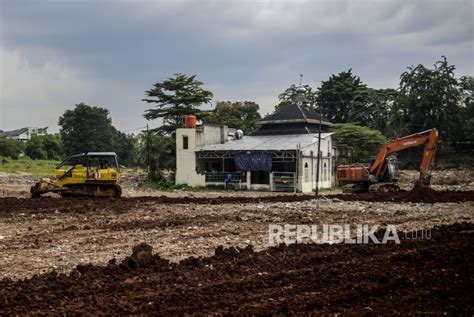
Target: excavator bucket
(423, 182)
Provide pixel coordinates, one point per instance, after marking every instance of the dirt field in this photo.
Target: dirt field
(430, 276)
(54, 235)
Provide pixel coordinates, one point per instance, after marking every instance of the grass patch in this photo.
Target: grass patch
(28, 166)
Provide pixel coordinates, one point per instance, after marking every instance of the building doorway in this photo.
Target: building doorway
(260, 177)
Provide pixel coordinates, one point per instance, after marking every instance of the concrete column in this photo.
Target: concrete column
(249, 174)
(271, 181)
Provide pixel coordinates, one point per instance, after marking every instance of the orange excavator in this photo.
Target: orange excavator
(382, 174)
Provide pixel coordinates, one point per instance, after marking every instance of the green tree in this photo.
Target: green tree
(342, 98)
(124, 146)
(157, 153)
(11, 148)
(174, 98)
(87, 129)
(429, 98)
(381, 102)
(240, 115)
(35, 149)
(361, 142)
(42, 147)
(466, 84)
(291, 92)
(371, 107)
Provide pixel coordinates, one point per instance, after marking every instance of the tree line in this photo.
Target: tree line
(365, 117)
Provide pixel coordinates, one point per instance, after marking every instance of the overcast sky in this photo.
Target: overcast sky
(55, 54)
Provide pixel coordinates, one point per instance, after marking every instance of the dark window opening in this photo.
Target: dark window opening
(260, 177)
(185, 142)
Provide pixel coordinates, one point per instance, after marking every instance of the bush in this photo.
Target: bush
(362, 143)
(11, 148)
(44, 147)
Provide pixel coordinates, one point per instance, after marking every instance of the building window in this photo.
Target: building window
(306, 172)
(185, 142)
(325, 171)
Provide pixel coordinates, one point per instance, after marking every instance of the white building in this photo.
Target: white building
(279, 156)
(23, 134)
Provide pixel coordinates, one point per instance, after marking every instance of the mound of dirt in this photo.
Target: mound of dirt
(417, 195)
(425, 276)
(425, 194)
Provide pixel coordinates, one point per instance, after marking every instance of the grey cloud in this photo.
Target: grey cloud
(242, 49)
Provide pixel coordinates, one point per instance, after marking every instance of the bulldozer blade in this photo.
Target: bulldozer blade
(45, 185)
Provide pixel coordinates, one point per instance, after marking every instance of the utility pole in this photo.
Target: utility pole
(147, 150)
(318, 163)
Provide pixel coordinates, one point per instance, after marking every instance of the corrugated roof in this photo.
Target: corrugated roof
(293, 112)
(13, 133)
(18, 132)
(266, 143)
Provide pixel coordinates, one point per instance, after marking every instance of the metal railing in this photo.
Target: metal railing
(284, 181)
(221, 177)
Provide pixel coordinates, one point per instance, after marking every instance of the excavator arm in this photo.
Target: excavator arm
(428, 138)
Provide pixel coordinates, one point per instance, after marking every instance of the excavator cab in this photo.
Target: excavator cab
(392, 169)
(85, 174)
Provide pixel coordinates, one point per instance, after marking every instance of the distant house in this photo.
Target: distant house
(279, 156)
(23, 134)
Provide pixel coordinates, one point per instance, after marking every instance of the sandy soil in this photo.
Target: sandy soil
(38, 236)
(52, 234)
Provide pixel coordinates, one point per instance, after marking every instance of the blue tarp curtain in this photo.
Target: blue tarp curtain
(253, 162)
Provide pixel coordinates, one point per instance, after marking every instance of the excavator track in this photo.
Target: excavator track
(384, 188)
(373, 188)
(355, 188)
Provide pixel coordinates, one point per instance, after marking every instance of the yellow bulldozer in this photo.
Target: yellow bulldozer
(86, 174)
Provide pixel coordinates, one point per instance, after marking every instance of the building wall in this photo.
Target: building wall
(209, 134)
(307, 166)
(186, 169)
(25, 136)
(186, 159)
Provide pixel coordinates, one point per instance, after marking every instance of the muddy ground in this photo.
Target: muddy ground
(41, 236)
(417, 277)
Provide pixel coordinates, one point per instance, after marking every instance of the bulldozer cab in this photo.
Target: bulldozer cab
(98, 162)
(92, 162)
